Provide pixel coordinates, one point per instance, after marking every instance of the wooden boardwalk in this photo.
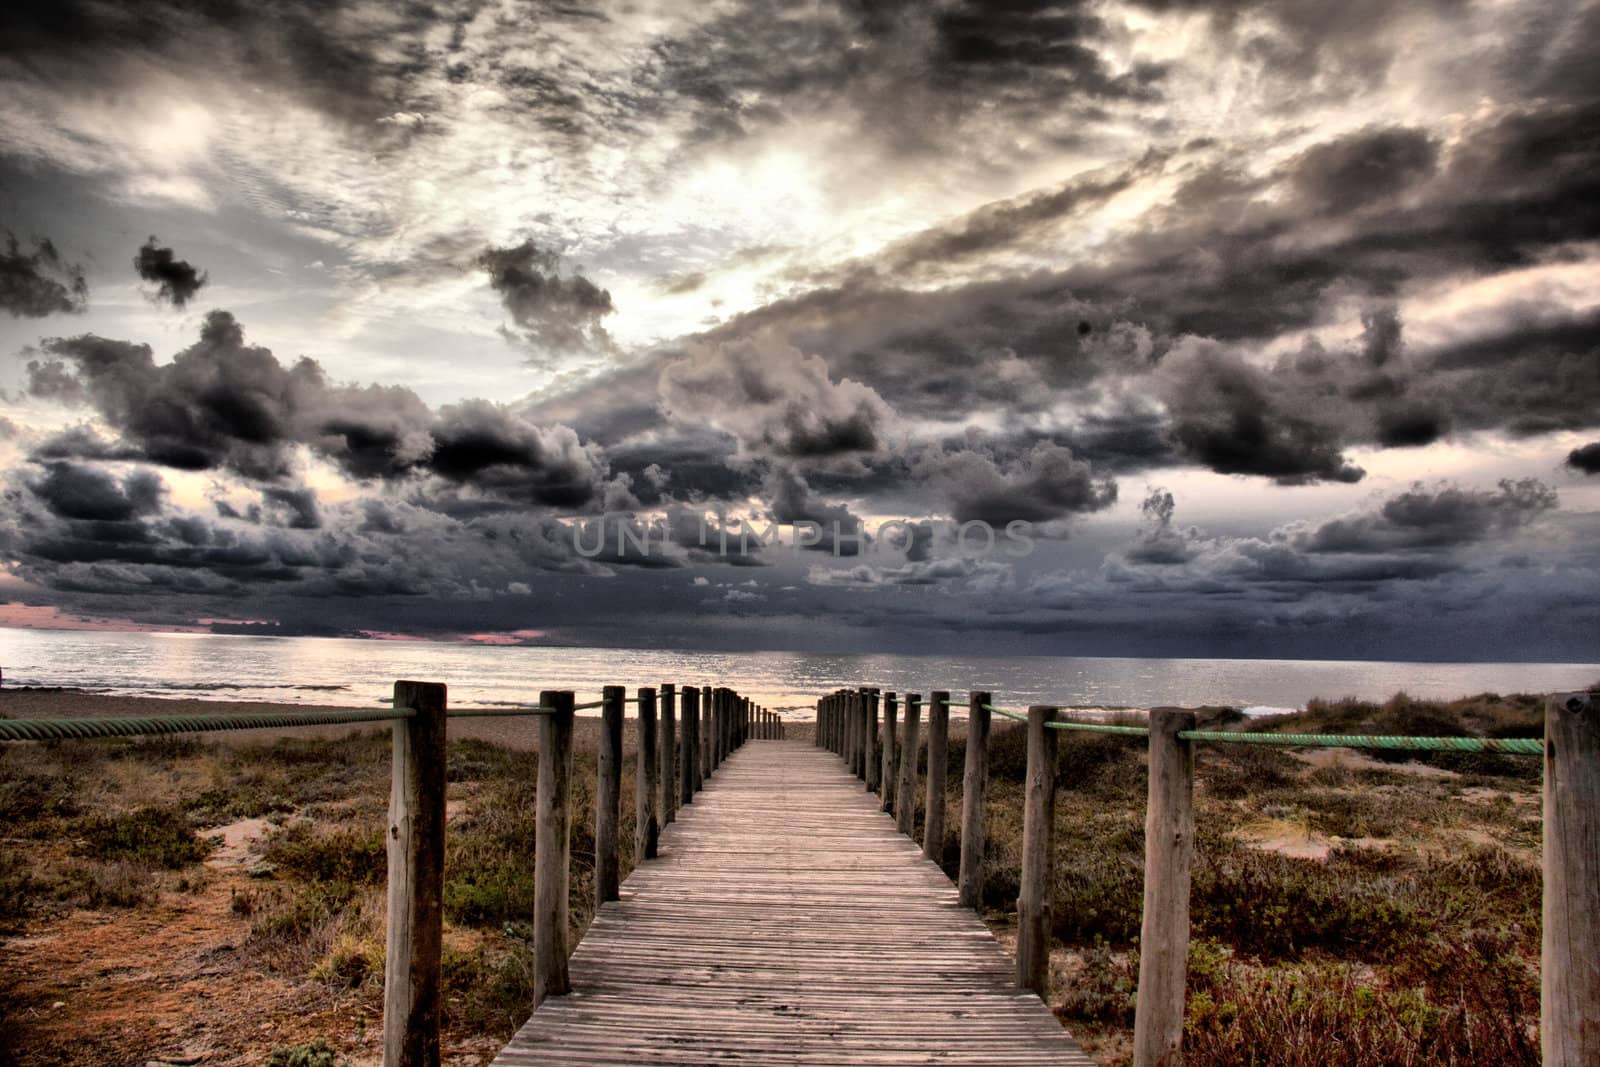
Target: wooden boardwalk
(787, 922)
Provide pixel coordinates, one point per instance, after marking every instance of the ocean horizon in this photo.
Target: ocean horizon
(348, 672)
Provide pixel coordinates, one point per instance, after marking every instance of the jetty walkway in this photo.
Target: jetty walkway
(785, 920)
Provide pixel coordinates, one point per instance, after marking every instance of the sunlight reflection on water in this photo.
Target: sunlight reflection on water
(354, 673)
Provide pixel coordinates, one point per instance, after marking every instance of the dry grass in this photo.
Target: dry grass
(1414, 939)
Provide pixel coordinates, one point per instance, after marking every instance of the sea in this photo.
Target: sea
(361, 673)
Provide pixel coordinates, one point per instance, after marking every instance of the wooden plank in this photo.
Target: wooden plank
(833, 941)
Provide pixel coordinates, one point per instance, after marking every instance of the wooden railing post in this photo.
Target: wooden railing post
(667, 772)
(1038, 855)
(719, 722)
(974, 790)
(874, 753)
(905, 790)
(552, 851)
(415, 934)
(608, 797)
(1569, 1014)
(707, 736)
(891, 746)
(938, 756)
(646, 781)
(847, 728)
(822, 717)
(864, 747)
(1168, 857)
(689, 755)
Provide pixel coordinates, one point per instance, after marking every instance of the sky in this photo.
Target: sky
(1160, 327)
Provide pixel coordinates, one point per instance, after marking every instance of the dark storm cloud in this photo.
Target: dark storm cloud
(1439, 534)
(294, 508)
(555, 314)
(709, 538)
(357, 62)
(1586, 458)
(51, 380)
(39, 283)
(1430, 520)
(1234, 418)
(1363, 170)
(224, 405)
(1006, 223)
(1157, 540)
(177, 281)
(74, 491)
(743, 70)
(77, 530)
(1047, 483)
(219, 404)
(483, 444)
(774, 399)
(790, 501)
(687, 464)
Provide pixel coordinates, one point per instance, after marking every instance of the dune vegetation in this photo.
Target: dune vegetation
(227, 899)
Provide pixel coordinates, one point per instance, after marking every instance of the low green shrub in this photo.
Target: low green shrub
(154, 837)
(348, 856)
(316, 1054)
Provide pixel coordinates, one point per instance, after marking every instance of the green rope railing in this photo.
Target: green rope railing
(1100, 728)
(500, 713)
(157, 725)
(1518, 746)
(589, 704)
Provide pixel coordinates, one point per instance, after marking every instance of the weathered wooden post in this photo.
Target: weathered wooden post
(1168, 857)
(668, 770)
(719, 723)
(822, 717)
(938, 756)
(861, 734)
(874, 755)
(552, 851)
(689, 758)
(415, 935)
(974, 789)
(608, 796)
(1569, 1014)
(646, 781)
(891, 746)
(847, 729)
(707, 735)
(905, 790)
(1038, 854)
